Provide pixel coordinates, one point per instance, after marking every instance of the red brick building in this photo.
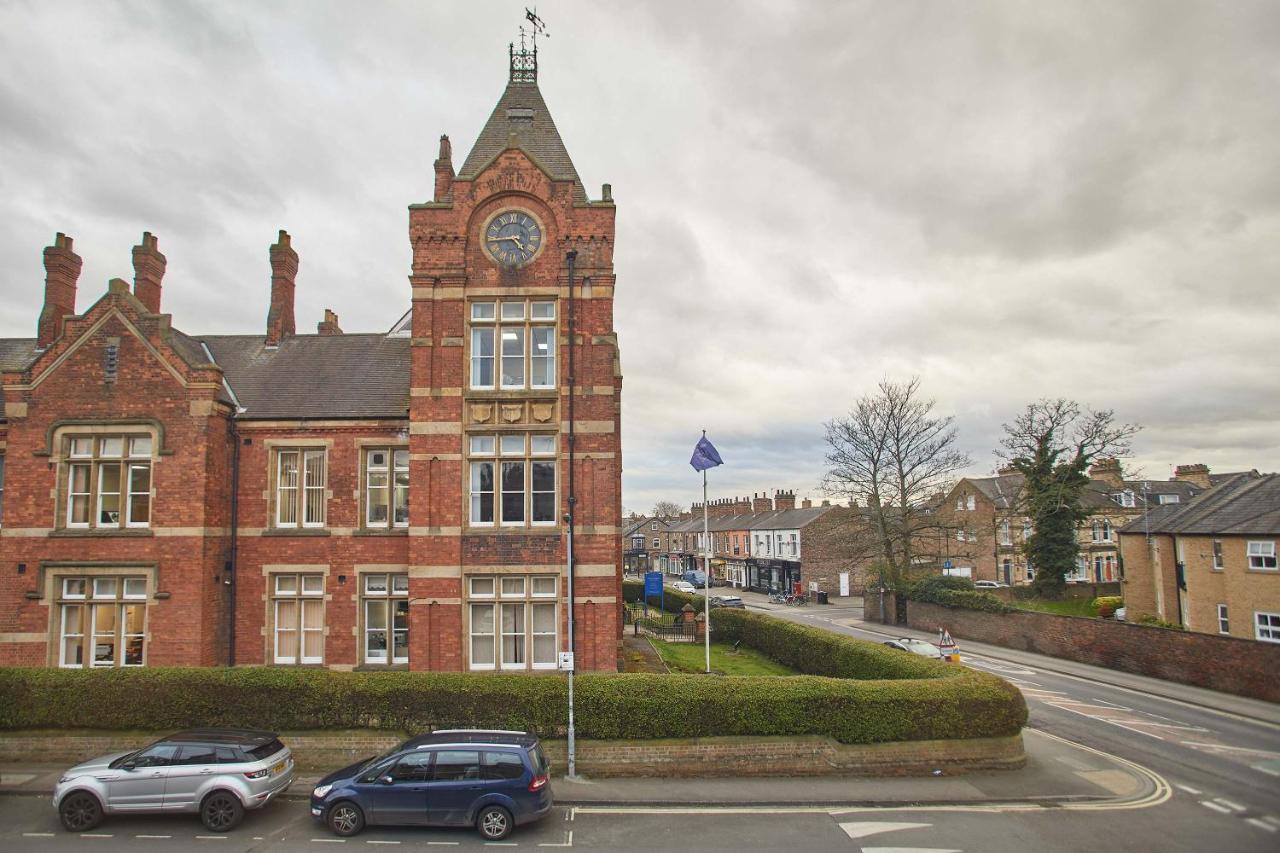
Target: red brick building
(397, 499)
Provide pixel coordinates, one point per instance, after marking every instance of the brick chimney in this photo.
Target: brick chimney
(148, 270)
(329, 325)
(284, 271)
(806, 504)
(741, 506)
(761, 503)
(784, 500)
(1108, 471)
(61, 269)
(444, 171)
(1196, 475)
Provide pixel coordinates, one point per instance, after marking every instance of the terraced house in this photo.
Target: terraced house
(406, 499)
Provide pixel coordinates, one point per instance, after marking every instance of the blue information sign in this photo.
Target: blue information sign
(946, 564)
(652, 583)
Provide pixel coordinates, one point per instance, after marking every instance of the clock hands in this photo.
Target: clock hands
(511, 237)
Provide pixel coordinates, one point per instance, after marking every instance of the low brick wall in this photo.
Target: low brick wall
(695, 757)
(1229, 664)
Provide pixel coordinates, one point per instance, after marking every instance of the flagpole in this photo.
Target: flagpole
(706, 568)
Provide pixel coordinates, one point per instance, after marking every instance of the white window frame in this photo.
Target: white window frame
(504, 594)
(1218, 562)
(301, 487)
(1224, 623)
(119, 596)
(1266, 626)
(308, 589)
(1005, 532)
(89, 453)
(490, 320)
(394, 592)
(498, 451)
(970, 502)
(1261, 553)
(392, 471)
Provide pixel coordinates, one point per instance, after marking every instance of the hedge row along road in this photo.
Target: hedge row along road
(852, 690)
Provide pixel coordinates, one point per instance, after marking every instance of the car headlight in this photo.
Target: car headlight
(321, 790)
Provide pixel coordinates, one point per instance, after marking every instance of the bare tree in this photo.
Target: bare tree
(893, 454)
(666, 509)
(1052, 444)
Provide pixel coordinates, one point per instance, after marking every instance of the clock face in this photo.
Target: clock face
(512, 238)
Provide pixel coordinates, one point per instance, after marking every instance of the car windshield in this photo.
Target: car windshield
(920, 647)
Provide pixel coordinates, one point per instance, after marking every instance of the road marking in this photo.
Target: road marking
(212, 837)
(568, 841)
(1270, 771)
(37, 835)
(1261, 824)
(1235, 807)
(910, 850)
(1190, 790)
(1210, 804)
(444, 843)
(153, 836)
(332, 841)
(1231, 748)
(95, 835)
(370, 841)
(862, 829)
(1272, 819)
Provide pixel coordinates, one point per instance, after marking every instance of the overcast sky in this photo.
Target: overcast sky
(1012, 200)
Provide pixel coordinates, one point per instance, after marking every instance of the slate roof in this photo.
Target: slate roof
(1248, 504)
(1003, 491)
(787, 519)
(17, 353)
(522, 111)
(316, 376)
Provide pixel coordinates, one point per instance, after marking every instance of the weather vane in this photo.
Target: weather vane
(524, 64)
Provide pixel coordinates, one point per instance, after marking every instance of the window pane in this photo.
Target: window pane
(111, 448)
(513, 587)
(544, 586)
(376, 496)
(482, 358)
(544, 310)
(542, 444)
(287, 484)
(513, 445)
(312, 584)
(482, 492)
(481, 310)
(140, 447)
(109, 494)
(544, 618)
(482, 646)
(81, 447)
(543, 365)
(502, 765)
(482, 587)
(286, 584)
(482, 445)
(139, 494)
(513, 310)
(375, 623)
(512, 634)
(73, 587)
(399, 584)
(375, 584)
(513, 357)
(400, 498)
(512, 492)
(377, 460)
(104, 587)
(315, 487)
(544, 491)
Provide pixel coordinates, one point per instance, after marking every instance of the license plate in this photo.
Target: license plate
(277, 769)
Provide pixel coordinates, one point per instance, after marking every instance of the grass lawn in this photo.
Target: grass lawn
(1080, 607)
(691, 657)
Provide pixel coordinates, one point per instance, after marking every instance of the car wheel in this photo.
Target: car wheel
(221, 811)
(80, 811)
(345, 819)
(494, 823)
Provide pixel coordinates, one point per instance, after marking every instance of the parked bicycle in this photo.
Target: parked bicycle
(797, 600)
(777, 598)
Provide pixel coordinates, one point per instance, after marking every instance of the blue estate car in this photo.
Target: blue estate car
(492, 780)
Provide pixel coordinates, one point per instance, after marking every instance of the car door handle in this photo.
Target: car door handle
(206, 771)
(157, 774)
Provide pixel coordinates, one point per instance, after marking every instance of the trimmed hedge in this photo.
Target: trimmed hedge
(608, 706)
(952, 591)
(672, 601)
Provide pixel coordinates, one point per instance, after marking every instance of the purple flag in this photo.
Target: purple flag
(705, 455)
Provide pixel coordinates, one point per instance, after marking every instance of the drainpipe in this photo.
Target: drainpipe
(571, 257)
(235, 524)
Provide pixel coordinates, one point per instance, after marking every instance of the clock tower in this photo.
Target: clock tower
(515, 401)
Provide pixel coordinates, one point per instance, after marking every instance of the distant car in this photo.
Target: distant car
(697, 579)
(683, 586)
(989, 585)
(492, 780)
(916, 647)
(727, 601)
(218, 773)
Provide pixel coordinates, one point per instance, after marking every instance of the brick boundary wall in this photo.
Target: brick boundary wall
(692, 758)
(1229, 664)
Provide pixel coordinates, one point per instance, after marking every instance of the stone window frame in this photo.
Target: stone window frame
(392, 469)
(493, 320)
(274, 595)
(56, 592)
(64, 439)
(503, 452)
(391, 595)
(1265, 555)
(503, 593)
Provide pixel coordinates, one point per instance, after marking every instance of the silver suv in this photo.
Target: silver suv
(219, 773)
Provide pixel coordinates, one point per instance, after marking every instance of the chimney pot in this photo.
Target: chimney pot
(444, 171)
(148, 272)
(329, 325)
(62, 269)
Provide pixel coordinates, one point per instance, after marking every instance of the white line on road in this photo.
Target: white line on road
(1210, 804)
(444, 843)
(1190, 790)
(1272, 819)
(153, 836)
(212, 837)
(1270, 771)
(909, 850)
(1261, 824)
(371, 841)
(37, 835)
(1231, 748)
(332, 841)
(861, 829)
(1235, 807)
(95, 835)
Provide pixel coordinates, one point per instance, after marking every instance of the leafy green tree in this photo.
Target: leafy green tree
(1052, 444)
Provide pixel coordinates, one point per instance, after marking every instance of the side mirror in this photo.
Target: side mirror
(129, 765)
(385, 780)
